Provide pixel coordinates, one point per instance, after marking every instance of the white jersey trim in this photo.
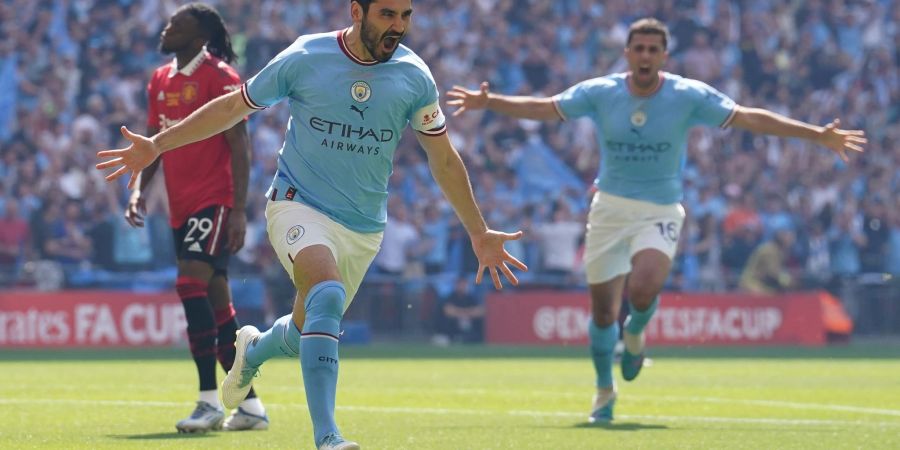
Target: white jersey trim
(730, 117)
(190, 67)
(249, 101)
(559, 111)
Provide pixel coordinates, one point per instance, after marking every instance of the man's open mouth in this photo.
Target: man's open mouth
(390, 43)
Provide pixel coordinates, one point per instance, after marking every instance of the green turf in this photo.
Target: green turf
(402, 397)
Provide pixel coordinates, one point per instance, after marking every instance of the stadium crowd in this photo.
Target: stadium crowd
(73, 71)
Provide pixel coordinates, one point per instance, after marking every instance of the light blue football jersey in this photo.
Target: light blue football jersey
(347, 117)
(643, 140)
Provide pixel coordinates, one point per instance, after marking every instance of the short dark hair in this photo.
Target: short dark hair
(649, 25)
(364, 3)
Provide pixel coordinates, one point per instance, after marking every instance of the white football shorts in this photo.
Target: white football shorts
(619, 227)
(293, 226)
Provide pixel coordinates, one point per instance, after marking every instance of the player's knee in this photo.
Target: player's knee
(195, 269)
(325, 301)
(646, 281)
(191, 287)
(604, 317)
(641, 295)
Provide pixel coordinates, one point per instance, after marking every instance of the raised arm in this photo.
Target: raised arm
(212, 118)
(535, 108)
(763, 121)
(450, 174)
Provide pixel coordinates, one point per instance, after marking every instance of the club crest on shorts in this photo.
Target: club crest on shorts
(361, 91)
(638, 118)
(294, 234)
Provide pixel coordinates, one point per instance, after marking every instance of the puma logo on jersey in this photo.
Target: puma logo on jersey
(360, 111)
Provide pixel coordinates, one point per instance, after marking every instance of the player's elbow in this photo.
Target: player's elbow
(234, 107)
(751, 119)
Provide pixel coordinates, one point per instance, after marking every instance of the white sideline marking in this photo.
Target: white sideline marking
(671, 398)
(474, 412)
(779, 404)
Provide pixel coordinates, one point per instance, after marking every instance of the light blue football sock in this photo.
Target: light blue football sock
(319, 354)
(283, 339)
(638, 320)
(603, 344)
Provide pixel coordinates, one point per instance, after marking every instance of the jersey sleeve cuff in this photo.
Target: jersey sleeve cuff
(727, 122)
(249, 101)
(559, 112)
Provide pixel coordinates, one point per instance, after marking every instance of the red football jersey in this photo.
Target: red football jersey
(199, 174)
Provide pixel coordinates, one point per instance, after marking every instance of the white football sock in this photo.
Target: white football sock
(211, 397)
(603, 396)
(253, 406)
(634, 343)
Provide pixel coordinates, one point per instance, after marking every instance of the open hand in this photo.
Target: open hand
(839, 141)
(237, 228)
(136, 209)
(134, 158)
(491, 255)
(467, 99)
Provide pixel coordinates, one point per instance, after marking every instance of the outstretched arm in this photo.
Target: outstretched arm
(763, 121)
(212, 118)
(450, 173)
(535, 108)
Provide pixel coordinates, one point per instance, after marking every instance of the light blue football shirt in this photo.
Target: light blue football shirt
(643, 140)
(347, 116)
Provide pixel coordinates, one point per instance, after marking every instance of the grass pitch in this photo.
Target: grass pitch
(405, 397)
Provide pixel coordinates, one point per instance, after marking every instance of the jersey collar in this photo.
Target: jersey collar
(662, 80)
(190, 67)
(343, 45)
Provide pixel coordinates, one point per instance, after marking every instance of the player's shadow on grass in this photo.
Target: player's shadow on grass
(622, 426)
(160, 436)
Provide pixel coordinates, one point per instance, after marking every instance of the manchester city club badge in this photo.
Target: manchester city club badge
(638, 118)
(294, 234)
(360, 91)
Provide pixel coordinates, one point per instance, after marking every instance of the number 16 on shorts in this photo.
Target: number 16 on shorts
(668, 230)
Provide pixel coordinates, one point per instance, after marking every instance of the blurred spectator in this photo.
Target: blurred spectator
(700, 60)
(436, 235)
(708, 250)
(892, 263)
(846, 238)
(398, 243)
(876, 228)
(559, 241)
(13, 237)
(766, 271)
(736, 250)
(774, 216)
(817, 269)
(743, 215)
(460, 316)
